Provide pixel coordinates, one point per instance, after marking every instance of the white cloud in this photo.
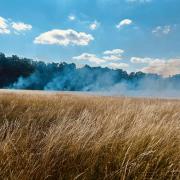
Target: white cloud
(146, 60)
(164, 67)
(93, 26)
(6, 25)
(113, 52)
(139, 60)
(89, 57)
(162, 30)
(20, 26)
(64, 38)
(118, 65)
(4, 29)
(124, 22)
(92, 58)
(72, 17)
(111, 56)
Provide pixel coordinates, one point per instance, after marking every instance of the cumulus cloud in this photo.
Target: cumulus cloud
(108, 60)
(4, 29)
(124, 22)
(20, 26)
(164, 67)
(64, 38)
(162, 30)
(139, 60)
(93, 26)
(113, 52)
(113, 55)
(89, 57)
(6, 26)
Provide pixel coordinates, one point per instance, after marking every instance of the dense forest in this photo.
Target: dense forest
(22, 73)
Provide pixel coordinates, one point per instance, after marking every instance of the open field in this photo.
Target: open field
(66, 136)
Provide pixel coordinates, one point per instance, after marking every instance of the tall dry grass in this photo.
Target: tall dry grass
(61, 136)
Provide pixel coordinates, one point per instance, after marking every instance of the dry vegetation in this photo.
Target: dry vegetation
(63, 136)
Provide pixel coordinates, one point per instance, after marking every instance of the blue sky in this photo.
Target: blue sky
(129, 34)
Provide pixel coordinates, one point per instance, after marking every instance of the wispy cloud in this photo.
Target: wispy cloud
(93, 26)
(162, 30)
(124, 22)
(20, 26)
(4, 27)
(64, 38)
(72, 17)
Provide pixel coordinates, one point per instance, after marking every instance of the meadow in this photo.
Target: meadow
(87, 137)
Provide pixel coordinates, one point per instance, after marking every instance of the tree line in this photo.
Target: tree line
(23, 73)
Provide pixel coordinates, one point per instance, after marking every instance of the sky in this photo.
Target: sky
(134, 35)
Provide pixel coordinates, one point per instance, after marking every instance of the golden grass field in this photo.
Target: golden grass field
(86, 137)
